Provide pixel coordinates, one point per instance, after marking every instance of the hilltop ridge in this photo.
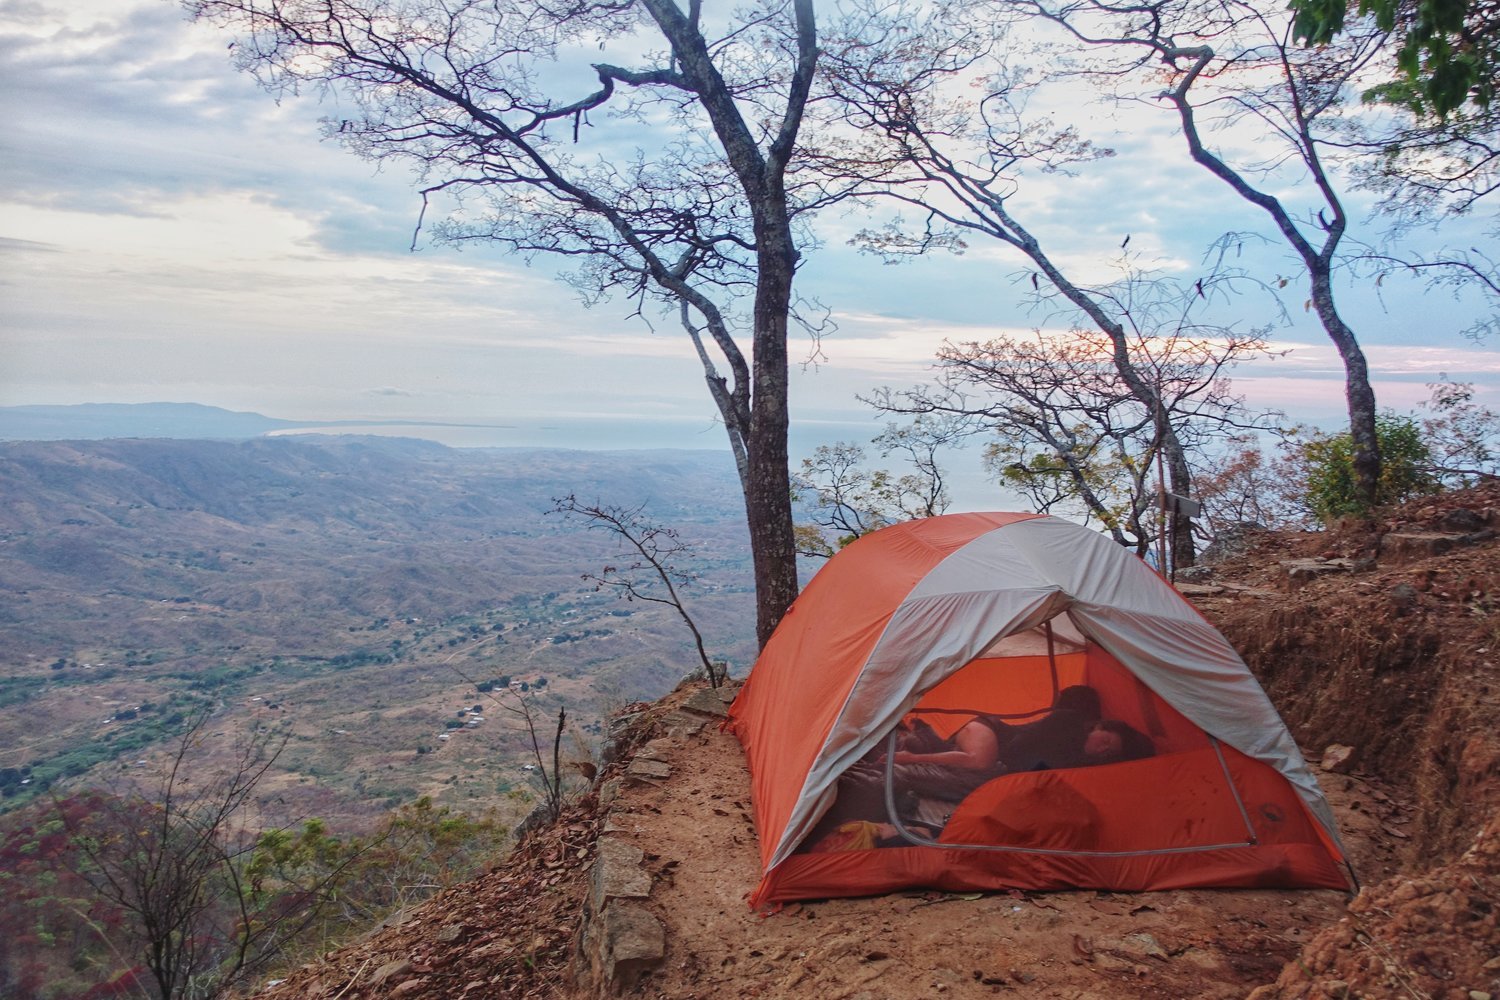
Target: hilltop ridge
(1379, 646)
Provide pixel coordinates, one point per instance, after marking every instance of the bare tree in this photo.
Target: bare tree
(851, 500)
(1240, 486)
(175, 859)
(1462, 436)
(655, 548)
(549, 777)
(1427, 167)
(942, 127)
(662, 176)
(1066, 430)
(1232, 67)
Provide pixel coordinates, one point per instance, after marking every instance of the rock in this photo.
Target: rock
(1145, 945)
(706, 701)
(391, 970)
(632, 942)
(1231, 542)
(655, 750)
(653, 770)
(539, 818)
(618, 874)
(1336, 758)
(1461, 520)
(1107, 962)
(619, 726)
(1403, 599)
(1335, 988)
(1199, 589)
(411, 985)
(1194, 574)
(678, 723)
(450, 933)
(1299, 572)
(1408, 547)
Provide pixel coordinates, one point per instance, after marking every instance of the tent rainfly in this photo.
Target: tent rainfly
(985, 618)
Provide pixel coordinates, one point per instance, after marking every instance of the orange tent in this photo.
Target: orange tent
(988, 617)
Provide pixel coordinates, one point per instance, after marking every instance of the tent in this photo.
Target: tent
(993, 614)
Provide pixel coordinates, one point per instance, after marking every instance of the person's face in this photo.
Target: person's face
(1101, 743)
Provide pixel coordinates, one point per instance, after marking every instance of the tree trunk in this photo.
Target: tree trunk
(1180, 480)
(1357, 391)
(768, 486)
(768, 495)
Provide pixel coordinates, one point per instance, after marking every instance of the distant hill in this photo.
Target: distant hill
(92, 421)
(364, 584)
(98, 421)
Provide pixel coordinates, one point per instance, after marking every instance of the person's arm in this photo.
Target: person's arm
(974, 748)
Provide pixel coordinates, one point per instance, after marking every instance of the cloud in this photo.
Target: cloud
(126, 112)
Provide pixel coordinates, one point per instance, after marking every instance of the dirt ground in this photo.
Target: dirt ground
(1390, 651)
(1198, 943)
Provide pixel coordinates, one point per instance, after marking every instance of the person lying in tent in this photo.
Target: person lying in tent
(930, 775)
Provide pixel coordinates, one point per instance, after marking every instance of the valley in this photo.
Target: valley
(355, 594)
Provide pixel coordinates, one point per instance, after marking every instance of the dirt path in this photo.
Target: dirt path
(700, 847)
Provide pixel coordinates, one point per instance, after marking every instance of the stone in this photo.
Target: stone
(655, 750)
(1462, 520)
(1199, 589)
(539, 818)
(1299, 572)
(609, 791)
(678, 724)
(706, 701)
(632, 942)
(1403, 599)
(1337, 758)
(450, 933)
(1399, 548)
(1231, 542)
(617, 873)
(1145, 945)
(620, 725)
(410, 986)
(652, 770)
(391, 970)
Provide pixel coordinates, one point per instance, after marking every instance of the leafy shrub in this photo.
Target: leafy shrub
(1405, 468)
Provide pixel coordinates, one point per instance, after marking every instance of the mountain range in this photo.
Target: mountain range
(94, 421)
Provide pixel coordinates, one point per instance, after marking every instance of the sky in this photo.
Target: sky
(169, 232)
